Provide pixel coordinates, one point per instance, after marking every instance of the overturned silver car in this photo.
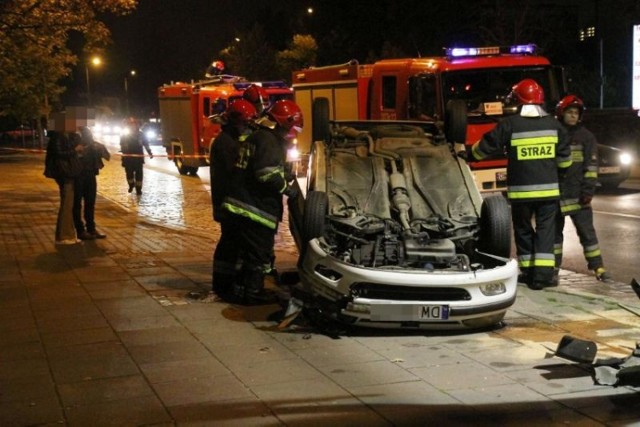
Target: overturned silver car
(393, 232)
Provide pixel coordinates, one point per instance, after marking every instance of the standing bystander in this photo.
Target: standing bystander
(537, 147)
(86, 187)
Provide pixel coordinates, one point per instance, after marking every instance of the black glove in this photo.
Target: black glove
(585, 199)
(291, 192)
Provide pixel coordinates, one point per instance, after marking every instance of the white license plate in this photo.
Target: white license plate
(433, 312)
(408, 312)
(609, 169)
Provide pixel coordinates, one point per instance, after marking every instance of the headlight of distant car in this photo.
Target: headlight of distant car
(625, 159)
(150, 134)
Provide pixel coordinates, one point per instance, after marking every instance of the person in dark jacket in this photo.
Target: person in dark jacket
(86, 187)
(578, 187)
(132, 144)
(255, 199)
(223, 157)
(61, 152)
(537, 147)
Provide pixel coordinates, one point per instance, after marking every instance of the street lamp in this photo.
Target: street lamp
(96, 61)
(132, 73)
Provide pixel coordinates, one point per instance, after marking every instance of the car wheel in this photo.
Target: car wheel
(495, 227)
(316, 207)
(320, 115)
(182, 168)
(193, 170)
(455, 121)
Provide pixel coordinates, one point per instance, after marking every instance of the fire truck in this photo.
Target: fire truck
(464, 91)
(186, 110)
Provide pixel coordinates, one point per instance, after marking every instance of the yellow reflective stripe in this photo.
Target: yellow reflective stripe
(475, 151)
(570, 208)
(525, 263)
(266, 173)
(592, 254)
(251, 215)
(546, 139)
(590, 174)
(564, 163)
(533, 194)
(557, 251)
(544, 262)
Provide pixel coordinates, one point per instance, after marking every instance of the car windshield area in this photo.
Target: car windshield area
(485, 91)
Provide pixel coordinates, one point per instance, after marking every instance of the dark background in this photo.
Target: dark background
(175, 40)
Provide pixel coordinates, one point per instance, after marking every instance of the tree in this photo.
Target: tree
(300, 54)
(34, 53)
(251, 55)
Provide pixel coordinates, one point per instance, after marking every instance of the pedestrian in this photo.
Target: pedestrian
(132, 144)
(86, 187)
(62, 164)
(537, 147)
(255, 198)
(578, 187)
(223, 158)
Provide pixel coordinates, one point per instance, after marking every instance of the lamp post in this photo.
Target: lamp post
(132, 73)
(95, 61)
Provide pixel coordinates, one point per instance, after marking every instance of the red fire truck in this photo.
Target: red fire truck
(185, 111)
(469, 83)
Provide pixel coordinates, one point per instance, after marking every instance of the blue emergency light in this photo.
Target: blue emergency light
(460, 52)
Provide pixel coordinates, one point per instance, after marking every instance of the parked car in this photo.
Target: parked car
(614, 166)
(393, 231)
(22, 132)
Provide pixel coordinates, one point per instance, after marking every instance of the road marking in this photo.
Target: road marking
(617, 214)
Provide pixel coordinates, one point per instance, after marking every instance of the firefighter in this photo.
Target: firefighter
(578, 187)
(132, 143)
(536, 146)
(258, 96)
(223, 157)
(255, 199)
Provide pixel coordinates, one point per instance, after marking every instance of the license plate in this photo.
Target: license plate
(408, 312)
(501, 176)
(433, 312)
(609, 169)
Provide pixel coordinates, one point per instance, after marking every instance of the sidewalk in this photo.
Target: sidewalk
(103, 333)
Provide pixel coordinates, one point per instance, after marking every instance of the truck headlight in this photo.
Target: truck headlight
(625, 159)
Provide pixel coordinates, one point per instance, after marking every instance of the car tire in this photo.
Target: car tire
(495, 227)
(320, 130)
(455, 121)
(316, 207)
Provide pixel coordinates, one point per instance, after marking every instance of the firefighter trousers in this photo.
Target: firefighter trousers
(583, 222)
(226, 258)
(256, 244)
(534, 230)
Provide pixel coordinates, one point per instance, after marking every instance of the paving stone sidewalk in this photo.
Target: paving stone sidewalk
(104, 333)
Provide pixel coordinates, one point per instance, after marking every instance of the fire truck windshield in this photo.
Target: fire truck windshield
(485, 90)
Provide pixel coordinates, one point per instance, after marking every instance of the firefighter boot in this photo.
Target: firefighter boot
(602, 275)
(131, 185)
(138, 187)
(254, 293)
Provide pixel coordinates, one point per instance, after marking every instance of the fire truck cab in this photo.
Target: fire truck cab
(471, 84)
(186, 110)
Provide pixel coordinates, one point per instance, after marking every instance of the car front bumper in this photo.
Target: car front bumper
(385, 297)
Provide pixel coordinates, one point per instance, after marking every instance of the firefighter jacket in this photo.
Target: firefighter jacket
(223, 157)
(132, 147)
(581, 177)
(536, 147)
(259, 181)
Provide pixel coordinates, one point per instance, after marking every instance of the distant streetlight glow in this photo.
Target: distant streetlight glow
(310, 10)
(96, 61)
(132, 73)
